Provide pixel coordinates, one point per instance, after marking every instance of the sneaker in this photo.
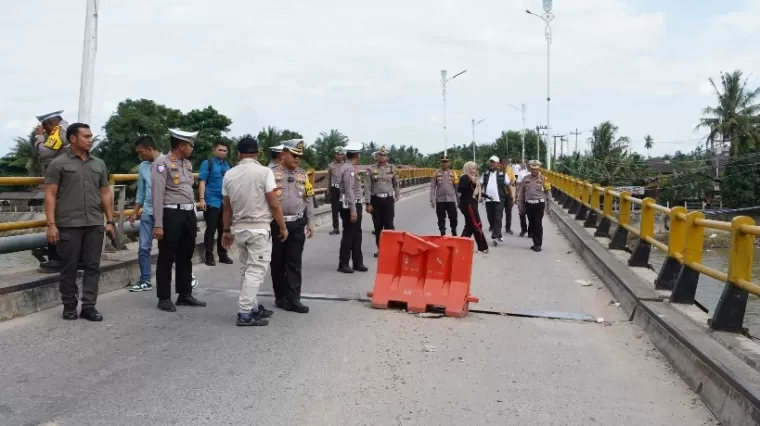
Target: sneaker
(248, 320)
(141, 286)
(262, 312)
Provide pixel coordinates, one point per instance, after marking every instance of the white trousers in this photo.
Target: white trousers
(255, 246)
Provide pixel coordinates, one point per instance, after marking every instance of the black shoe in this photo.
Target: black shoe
(443, 233)
(189, 300)
(166, 305)
(296, 306)
(373, 232)
(249, 320)
(280, 303)
(91, 314)
(335, 231)
(70, 314)
(51, 266)
(345, 269)
(361, 268)
(522, 234)
(453, 232)
(263, 312)
(225, 259)
(509, 232)
(376, 254)
(210, 259)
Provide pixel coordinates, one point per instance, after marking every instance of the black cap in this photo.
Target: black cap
(248, 146)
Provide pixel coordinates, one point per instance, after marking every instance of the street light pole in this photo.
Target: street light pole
(522, 110)
(547, 17)
(445, 80)
(89, 50)
(473, 136)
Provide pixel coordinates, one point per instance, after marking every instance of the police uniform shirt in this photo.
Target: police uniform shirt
(534, 188)
(334, 169)
(381, 180)
(55, 143)
(171, 183)
(350, 187)
(294, 191)
(443, 186)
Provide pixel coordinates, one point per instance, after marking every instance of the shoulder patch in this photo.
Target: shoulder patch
(161, 167)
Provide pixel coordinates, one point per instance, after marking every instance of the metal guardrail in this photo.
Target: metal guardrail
(683, 265)
(318, 181)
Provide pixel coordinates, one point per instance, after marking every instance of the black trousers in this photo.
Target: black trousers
(213, 217)
(535, 214)
(442, 209)
(351, 240)
(52, 253)
(287, 260)
(334, 206)
(176, 248)
(383, 212)
(494, 213)
(523, 223)
(473, 227)
(81, 244)
(508, 204)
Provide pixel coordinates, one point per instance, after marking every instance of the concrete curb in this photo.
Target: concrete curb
(36, 291)
(729, 387)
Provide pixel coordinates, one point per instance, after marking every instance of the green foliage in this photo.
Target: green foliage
(692, 178)
(741, 180)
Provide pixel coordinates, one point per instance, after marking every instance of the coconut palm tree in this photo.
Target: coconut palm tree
(324, 147)
(735, 118)
(605, 144)
(648, 144)
(25, 155)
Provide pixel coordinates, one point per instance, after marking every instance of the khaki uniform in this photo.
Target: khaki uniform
(533, 200)
(174, 211)
(333, 180)
(381, 190)
(443, 193)
(52, 145)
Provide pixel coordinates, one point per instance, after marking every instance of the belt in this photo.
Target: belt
(383, 195)
(180, 206)
(293, 217)
(540, 200)
(336, 186)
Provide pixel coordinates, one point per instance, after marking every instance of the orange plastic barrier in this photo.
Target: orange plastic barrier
(424, 272)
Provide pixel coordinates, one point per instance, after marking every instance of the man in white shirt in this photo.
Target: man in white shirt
(251, 202)
(523, 220)
(495, 183)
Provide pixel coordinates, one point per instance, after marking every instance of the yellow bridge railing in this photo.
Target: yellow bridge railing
(683, 265)
(318, 179)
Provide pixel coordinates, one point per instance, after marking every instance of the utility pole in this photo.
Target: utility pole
(522, 110)
(554, 152)
(89, 50)
(445, 80)
(576, 133)
(538, 143)
(474, 123)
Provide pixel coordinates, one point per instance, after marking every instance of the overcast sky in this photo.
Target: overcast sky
(372, 69)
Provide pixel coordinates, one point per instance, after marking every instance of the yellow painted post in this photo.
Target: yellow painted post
(620, 238)
(666, 278)
(640, 256)
(595, 197)
(603, 230)
(624, 210)
(688, 278)
(732, 305)
(608, 202)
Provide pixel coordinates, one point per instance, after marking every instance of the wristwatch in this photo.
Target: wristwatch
(227, 230)
(110, 222)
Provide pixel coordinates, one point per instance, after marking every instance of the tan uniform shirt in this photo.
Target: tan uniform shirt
(171, 183)
(78, 202)
(333, 173)
(381, 180)
(247, 186)
(443, 186)
(534, 188)
(295, 191)
(350, 186)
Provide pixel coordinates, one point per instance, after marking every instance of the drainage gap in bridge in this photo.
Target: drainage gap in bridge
(435, 310)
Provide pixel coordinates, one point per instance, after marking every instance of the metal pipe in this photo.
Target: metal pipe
(16, 243)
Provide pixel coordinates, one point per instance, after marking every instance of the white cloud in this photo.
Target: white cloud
(372, 70)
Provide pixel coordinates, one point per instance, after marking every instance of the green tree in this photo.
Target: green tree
(270, 136)
(735, 118)
(324, 147)
(741, 180)
(648, 144)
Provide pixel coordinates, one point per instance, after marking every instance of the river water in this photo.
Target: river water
(708, 291)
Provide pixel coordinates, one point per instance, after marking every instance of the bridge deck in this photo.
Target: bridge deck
(347, 364)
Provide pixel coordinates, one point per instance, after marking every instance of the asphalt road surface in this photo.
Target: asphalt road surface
(345, 363)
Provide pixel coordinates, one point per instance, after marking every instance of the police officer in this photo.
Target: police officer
(533, 201)
(274, 153)
(382, 190)
(50, 141)
(374, 158)
(351, 213)
(296, 198)
(175, 221)
(443, 196)
(333, 179)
